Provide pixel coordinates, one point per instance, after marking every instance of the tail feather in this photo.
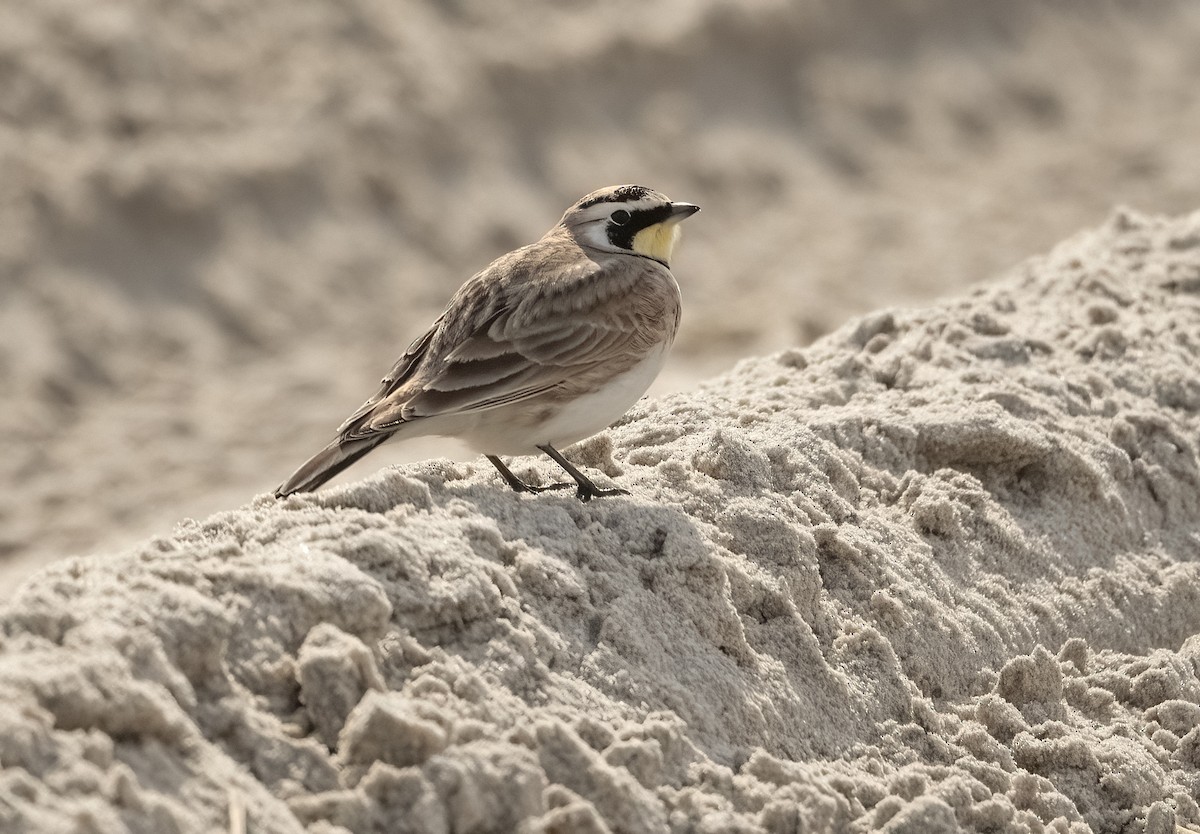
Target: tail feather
(326, 464)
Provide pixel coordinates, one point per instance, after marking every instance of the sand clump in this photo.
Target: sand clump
(939, 571)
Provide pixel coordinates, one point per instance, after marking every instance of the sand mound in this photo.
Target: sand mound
(940, 570)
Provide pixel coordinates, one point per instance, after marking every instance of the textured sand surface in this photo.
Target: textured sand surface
(940, 571)
(221, 222)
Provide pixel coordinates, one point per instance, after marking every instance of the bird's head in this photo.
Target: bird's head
(628, 218)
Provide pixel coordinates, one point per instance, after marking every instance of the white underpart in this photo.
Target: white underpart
(597, 411)
(498, 433)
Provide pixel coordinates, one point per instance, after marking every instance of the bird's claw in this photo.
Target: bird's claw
(546, 488)
(586, 494)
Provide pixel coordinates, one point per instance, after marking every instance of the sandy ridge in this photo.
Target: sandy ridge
(939, 571)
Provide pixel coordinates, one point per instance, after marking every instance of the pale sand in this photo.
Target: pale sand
(939, 571)
(220, 223)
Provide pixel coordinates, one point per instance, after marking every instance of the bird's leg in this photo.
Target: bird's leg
(516, 483)
(587, 490)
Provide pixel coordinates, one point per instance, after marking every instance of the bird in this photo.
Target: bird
(547, 345)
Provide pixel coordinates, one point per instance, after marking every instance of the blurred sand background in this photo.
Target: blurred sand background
(220, 222)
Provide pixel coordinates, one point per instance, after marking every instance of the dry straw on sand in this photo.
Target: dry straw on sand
(938, 572)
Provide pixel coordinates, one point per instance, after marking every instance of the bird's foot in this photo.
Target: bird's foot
(589, 491)
(530, 488)
(517, 485)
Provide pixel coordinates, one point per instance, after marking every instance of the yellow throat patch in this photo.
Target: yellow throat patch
(658, 241)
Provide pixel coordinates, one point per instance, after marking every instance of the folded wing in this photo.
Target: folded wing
(492, 368)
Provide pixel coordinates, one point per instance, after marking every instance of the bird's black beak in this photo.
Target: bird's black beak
(682, 210)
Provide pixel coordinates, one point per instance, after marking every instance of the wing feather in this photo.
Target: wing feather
(518, 369)
(518, 350)
(400, 373)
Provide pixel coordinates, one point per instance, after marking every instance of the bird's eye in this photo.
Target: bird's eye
(619, 217)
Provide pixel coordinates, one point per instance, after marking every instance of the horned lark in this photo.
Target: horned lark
(548, 345)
